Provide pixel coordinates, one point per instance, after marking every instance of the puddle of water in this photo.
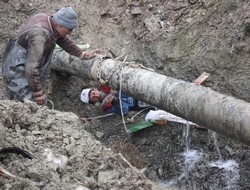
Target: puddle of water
(191, 157)
(230, 172)
(229, 169)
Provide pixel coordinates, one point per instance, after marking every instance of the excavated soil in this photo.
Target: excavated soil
(180, 39)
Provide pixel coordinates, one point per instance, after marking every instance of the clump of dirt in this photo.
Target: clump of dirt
(65, 155)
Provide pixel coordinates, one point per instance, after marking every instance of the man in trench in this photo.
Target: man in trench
(26, 59)
(107, 100)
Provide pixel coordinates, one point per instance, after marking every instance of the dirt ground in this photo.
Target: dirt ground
(180, 39)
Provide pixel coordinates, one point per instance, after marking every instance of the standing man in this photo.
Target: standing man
(26, 59)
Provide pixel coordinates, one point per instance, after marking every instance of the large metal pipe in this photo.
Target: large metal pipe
(224, 114)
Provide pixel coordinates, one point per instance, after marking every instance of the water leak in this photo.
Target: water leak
(216, 143)
(190, 158)
(230, 173)
(218, 174)
(186, 136)
(229, 168)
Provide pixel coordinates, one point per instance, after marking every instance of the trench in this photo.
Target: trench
(162, 150)
(173, 155)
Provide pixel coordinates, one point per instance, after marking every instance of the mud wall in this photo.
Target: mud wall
(181, 39)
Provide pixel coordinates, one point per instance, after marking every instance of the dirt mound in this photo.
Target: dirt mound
(65, 155)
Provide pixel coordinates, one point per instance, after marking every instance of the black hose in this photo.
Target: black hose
(111, 130)
(17, 150)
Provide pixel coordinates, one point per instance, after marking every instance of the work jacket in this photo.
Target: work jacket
(121, 102)
(26, 61)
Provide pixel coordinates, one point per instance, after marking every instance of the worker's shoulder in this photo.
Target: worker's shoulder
(37, 25)
(39, 18)
(38, 32)
(40, 15)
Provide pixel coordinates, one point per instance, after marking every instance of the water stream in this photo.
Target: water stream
(229, 168)
(216, 143)
(224, 174)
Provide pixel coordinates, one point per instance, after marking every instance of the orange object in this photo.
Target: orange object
(161, 122)
(201, 78)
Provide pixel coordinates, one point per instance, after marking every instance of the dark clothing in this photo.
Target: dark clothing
(127, 103)
(26, 61)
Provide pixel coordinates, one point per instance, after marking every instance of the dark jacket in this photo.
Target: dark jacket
(127, 103)
(38, 37)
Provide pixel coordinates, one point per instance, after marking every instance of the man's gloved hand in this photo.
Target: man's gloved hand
(114, 92)
(40, 97)
(89, 54)
(109, 98)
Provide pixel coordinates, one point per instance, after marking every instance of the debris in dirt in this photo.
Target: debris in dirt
(130, 154)
(136, 11)
(5, 173)
(152, 24)
(68, 157)
(55, 162)
(201, 78)
(17, 150)
(112, 53)
(34, 176)
(86, 119)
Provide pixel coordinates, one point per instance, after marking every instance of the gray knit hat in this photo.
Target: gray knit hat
(66, 17)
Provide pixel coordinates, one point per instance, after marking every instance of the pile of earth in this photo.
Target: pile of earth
(61, 154)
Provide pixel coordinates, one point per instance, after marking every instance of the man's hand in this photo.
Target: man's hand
(113, 92)
(89, 54)
(109, 98)
(40, 97)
